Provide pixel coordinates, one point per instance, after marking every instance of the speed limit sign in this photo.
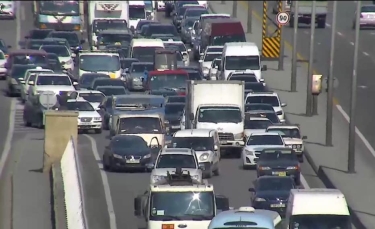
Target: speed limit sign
(282, 18)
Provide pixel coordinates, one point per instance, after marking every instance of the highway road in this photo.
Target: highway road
(343, 61)
(233, 182)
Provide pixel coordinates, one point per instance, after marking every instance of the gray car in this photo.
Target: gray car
(135, 74)
(186, 28)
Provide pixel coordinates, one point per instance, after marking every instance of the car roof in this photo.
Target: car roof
(266, 134)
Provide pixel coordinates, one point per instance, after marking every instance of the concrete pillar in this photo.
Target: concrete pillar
(59, 127)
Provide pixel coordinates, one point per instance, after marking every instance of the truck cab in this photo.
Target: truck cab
(179, 200)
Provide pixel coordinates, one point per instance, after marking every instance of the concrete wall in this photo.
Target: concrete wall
(59, 127)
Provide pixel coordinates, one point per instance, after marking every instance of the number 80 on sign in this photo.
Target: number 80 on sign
(282, 18)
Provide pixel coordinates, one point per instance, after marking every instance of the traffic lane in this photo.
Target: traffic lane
(93, 189)
(27, 18)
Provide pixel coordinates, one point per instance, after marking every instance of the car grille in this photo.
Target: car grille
(128, 157)
(86, 119)
(226, 136)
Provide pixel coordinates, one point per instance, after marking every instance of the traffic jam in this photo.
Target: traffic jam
(175, 98)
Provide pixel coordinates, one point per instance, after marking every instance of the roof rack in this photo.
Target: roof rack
(180, 178)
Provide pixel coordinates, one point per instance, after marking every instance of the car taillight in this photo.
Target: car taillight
(181, 93)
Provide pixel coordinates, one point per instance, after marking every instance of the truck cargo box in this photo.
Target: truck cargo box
(222, 27)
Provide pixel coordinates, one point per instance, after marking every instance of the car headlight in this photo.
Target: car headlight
(147, 156)
(136, 79)
(249, 152)
(259, 199)
(195, 177)
(68, 62)
(118, 156)
(97, 119)
(204, 157)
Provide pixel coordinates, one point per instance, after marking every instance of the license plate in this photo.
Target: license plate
(280, 174)
(85, 123)
(223, 142)
(277, 205)
(133, 161)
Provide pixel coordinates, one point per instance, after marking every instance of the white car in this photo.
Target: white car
(171, 158)
(271, 98)
(248, 76)
(213, 69)
(88, 117)
(95, 98)
(64, 54)
(8, 9)
(292, 137)
(55, 82)
(30, 75)
(256, 143)
(256, 125)
(203, 3)
(181, 48)
(3, 70)
(206, 61)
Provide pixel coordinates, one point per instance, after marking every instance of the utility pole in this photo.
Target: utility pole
(234, 9)
(353, 96)
(311, 62)
(293, 81)
(249, 17)
(329, 116)
(280, 66)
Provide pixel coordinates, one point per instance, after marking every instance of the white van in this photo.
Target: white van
(137, 12)
(144, 49)
(322, 208)
(240, 56)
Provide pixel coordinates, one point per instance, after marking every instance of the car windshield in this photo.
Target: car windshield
(242, 63)
(195, 12)
(137, 12)
(72, 38)
(174, 109)
(286, 132)
(269, 115)
(176, 46)
(87, 79)
(211, 56)
(100, 25)
(140, 125)
(275, 184)
(258, 107)
(257, 124)
(79, 106)
(144, 54)
(161, 29)
(174, 81)
(59, 50)
(219, 114)
(368, 9)
(39, 33)
(184, 205)
(59, 7)
(108, 91)
(255, 87)
(99, 63)
(35, 44)
(29, 59)
(320, 221)
(195, 75)
(264, 140)
(117, 39)
(248, 78)
(53, 80)
(142, 67)
(92, 97)
(19, 71)
(176, 161)
(195, 143)
(271, 100)
(129, 142)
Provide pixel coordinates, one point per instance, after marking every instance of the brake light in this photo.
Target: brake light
(181, 93)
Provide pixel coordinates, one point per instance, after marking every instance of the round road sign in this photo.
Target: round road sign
(282, 18)
(47, 99)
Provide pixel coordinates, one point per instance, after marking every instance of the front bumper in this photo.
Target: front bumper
(232, 143)
(279, 173)
(90, 126)
(249, 160)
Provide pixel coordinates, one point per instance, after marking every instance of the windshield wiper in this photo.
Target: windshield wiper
(170, 218)
(199, 217)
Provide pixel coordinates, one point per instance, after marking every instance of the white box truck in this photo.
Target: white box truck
(217, 105)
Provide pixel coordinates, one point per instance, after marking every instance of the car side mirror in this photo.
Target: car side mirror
(283, 104)
(261, 80)
(22, 81)
(200, 61)
(304, 137)
(251, 190)
(264, 68)
(75, 83)
(216, 148)
(31, 83)
(222, 203)
(82, 41)
(138, 206)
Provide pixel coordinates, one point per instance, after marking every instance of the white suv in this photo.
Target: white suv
(271, 98)
(205, 143)
(170, 159)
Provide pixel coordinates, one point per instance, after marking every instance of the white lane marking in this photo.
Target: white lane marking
(352, 43)
(360, 135)
(340, 34)
(18, 23)
(304, 182)
(366, 54)
(328, 25)
(8, 140)
(107, 190)
(22, 12)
